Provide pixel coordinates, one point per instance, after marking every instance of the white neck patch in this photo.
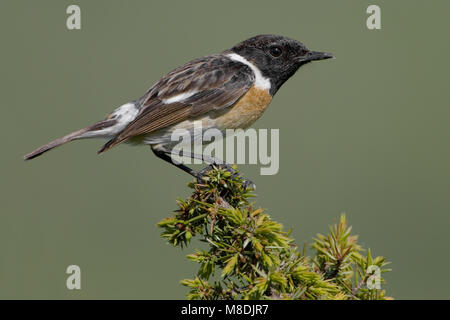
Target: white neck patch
(260, 81)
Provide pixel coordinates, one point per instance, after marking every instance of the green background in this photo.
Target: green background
(366, 134)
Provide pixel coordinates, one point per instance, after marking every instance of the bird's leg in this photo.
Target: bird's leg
(215, 162)
(165, 155)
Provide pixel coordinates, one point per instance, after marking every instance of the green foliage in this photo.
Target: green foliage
(253, 258)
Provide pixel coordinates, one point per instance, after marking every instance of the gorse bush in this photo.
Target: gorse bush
(257, 259)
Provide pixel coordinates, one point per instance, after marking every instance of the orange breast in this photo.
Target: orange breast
(246, 110)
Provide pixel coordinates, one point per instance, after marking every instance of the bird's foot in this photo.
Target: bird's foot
(248, 184)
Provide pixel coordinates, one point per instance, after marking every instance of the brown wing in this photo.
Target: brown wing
(218, 82)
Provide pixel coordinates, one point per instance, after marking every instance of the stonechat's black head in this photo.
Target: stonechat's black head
(277, 57)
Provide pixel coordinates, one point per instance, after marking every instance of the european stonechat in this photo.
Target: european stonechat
(228, 90)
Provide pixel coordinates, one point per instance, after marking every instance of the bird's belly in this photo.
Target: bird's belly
(240, 115)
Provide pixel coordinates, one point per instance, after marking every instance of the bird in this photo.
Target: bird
(227, 90)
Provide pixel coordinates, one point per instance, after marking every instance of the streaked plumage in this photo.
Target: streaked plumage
(228, 90)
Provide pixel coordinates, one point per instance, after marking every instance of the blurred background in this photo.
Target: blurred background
(366, 134)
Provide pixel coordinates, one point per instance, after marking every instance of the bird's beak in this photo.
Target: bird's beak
(314, 56)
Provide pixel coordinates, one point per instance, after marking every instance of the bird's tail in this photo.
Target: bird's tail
(98, 130)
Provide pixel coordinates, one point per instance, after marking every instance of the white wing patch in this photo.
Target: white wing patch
(179, 97)
(260, 81)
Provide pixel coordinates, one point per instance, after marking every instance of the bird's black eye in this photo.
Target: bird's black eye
(275, 51)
